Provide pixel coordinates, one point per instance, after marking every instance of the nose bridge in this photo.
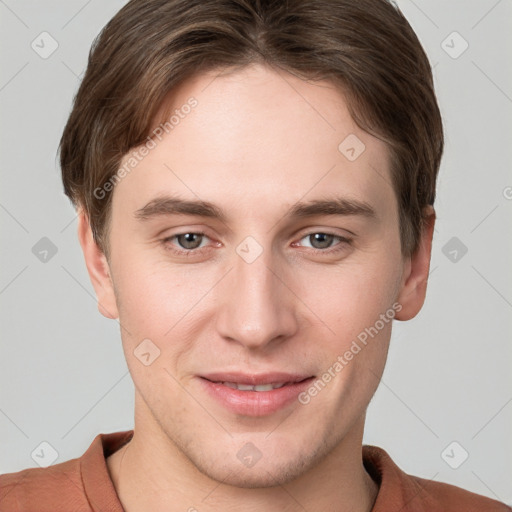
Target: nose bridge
(256, 307)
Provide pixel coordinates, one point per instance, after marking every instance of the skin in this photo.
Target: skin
(258, 141)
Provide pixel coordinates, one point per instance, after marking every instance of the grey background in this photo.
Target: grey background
(63, 377)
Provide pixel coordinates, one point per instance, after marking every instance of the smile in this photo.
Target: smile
(254, 395)
(248, 387)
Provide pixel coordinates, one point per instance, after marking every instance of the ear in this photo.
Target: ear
(98, 268)
(414, 279)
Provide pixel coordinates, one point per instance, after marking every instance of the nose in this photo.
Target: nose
(256, 304)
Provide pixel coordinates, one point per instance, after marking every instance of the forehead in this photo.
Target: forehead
(254, 135)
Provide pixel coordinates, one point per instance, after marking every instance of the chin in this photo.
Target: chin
(261, 479)
(268, 471)
(264, 476)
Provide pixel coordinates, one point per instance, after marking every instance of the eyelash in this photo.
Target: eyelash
(191, 252)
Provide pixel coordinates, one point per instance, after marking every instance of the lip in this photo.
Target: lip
(255, 403)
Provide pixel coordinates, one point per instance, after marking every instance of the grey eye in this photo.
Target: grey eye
(189, 240)
(320, 240)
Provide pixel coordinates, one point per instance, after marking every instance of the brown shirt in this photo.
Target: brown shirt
(84, 485)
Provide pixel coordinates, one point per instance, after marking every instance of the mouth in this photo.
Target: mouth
(259, 387)
(255, 394)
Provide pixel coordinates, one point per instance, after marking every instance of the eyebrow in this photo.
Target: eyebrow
(165, 205)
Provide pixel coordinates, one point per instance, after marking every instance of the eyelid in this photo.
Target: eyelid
(327, 230)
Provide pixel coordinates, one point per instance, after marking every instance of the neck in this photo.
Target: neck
(152, 462)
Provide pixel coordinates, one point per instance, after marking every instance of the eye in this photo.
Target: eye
(323, 242)
(191, 243)
(187, 242)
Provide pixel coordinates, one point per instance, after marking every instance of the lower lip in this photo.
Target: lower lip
(255, 403)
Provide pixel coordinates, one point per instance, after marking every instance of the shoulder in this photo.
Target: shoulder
(77, 484)
(450, 498)
(53, 488)
(408, 493)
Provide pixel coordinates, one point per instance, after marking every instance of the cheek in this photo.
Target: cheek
(351, 297)
(154, 304)
(153, 298)
(356, 304)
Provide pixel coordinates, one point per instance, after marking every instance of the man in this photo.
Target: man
(255, 183)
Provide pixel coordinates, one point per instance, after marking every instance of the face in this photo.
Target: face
(286, 277)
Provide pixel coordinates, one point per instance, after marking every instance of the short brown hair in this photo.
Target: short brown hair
(367, 47)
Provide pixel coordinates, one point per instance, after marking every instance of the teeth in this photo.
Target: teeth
(245, 387)
(248, 387)
(264, 387)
